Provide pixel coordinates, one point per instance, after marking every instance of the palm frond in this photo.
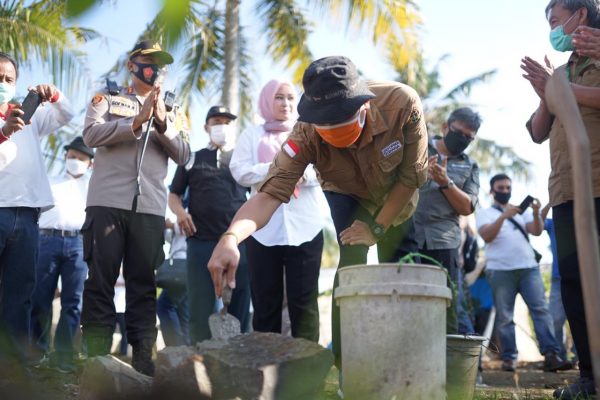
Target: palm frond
(287, 32)
(464, 88)
(37, 33)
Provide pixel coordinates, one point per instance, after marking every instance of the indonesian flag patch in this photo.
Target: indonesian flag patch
(291, 148)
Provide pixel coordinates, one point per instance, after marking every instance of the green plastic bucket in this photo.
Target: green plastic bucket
(462, 359)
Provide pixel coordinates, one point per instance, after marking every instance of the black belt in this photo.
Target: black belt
(59, 232)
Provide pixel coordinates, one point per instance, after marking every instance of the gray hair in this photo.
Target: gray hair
(592, 6)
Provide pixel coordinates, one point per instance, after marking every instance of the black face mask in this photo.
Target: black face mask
(147, 73)
(502, 198)
(456, 142)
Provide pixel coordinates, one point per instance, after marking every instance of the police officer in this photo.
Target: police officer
(368, 142)
(134, 136)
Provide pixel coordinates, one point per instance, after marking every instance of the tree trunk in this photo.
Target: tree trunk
(231, 75)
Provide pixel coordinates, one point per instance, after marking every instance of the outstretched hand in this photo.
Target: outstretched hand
(223, 263)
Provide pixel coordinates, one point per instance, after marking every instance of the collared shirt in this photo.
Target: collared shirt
(583, 71)
(436, 221)
(294, 223)
(392, 148)
(23, 176)
(509, 250)
(69, 196)
(108, 128)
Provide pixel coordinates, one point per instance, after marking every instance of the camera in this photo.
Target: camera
(30, 104)
(525, 203)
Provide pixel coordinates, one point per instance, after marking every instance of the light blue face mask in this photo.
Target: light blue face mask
(7, 92)
(560, 40)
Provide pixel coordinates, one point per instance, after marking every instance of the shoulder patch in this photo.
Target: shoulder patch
(415, 116)
(129, 90)
(97, 99)
(291, 148)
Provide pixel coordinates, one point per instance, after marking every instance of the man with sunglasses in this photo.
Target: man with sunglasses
(134, 135)
(450, 192)
(368, 141)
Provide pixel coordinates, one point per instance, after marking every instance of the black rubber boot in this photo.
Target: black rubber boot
(97, 341)
(142, 357)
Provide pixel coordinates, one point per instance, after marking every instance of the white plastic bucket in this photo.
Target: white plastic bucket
(462, 359)
(393, 331)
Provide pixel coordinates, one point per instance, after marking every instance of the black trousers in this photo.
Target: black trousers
(112, 236)
(302, 264)
(398, 241)
(570, 280)
(449, 259)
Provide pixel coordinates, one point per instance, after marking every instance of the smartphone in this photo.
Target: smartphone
(525, 203)
(169, 100)
(30, 104)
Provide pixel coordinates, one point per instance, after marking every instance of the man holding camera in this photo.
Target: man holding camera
(134, 136)
(25, 191)
(512, 268)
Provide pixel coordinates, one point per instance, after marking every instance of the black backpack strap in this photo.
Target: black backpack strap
(515, 223)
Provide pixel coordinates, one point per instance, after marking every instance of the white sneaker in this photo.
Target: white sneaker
(340, 393)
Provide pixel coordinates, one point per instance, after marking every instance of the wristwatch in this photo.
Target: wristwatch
(377, 230)
(447, 185)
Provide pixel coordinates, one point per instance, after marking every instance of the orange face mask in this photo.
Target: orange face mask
(344, 134)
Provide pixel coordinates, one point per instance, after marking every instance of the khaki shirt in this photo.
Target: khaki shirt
(108, 128)
(583, 71)
(392, 148)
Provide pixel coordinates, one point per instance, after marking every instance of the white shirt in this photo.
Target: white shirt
(120, 298)
(509, 250)
(69, 196)
(178, 250)
(294, 223)
(23, 177)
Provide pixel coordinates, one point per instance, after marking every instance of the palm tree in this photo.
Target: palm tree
(214, 43)
(36, 32)
(490, 156)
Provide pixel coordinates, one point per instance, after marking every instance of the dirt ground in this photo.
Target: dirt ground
(528, 383)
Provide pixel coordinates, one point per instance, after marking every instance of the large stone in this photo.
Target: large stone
(108, 378)
(258, 366)
(180, 371)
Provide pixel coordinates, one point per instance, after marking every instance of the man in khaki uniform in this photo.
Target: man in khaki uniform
(566, 19)
(368, 142)
(126, 203)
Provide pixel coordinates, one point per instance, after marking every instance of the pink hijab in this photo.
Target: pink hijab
(276, 132)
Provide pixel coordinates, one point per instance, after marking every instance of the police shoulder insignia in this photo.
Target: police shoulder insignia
(97, 99)
(130, 90)
(415, 116)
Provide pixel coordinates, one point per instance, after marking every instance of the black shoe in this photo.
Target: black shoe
(509, 365)
(142, 357)
(553, 363)
(581, 389)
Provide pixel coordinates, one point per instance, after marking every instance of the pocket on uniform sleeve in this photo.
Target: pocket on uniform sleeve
(88, 237)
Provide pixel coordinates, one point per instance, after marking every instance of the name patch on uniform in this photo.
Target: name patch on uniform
(391, 148)
(122, 106)
(291, 148)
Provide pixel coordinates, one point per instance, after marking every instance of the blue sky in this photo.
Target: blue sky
(478, 36)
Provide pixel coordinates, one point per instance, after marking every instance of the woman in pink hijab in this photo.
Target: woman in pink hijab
(288, 249)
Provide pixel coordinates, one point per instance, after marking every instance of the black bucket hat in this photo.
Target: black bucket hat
(333, 91)
(219, 111)
(77, 144)
(149, 47)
